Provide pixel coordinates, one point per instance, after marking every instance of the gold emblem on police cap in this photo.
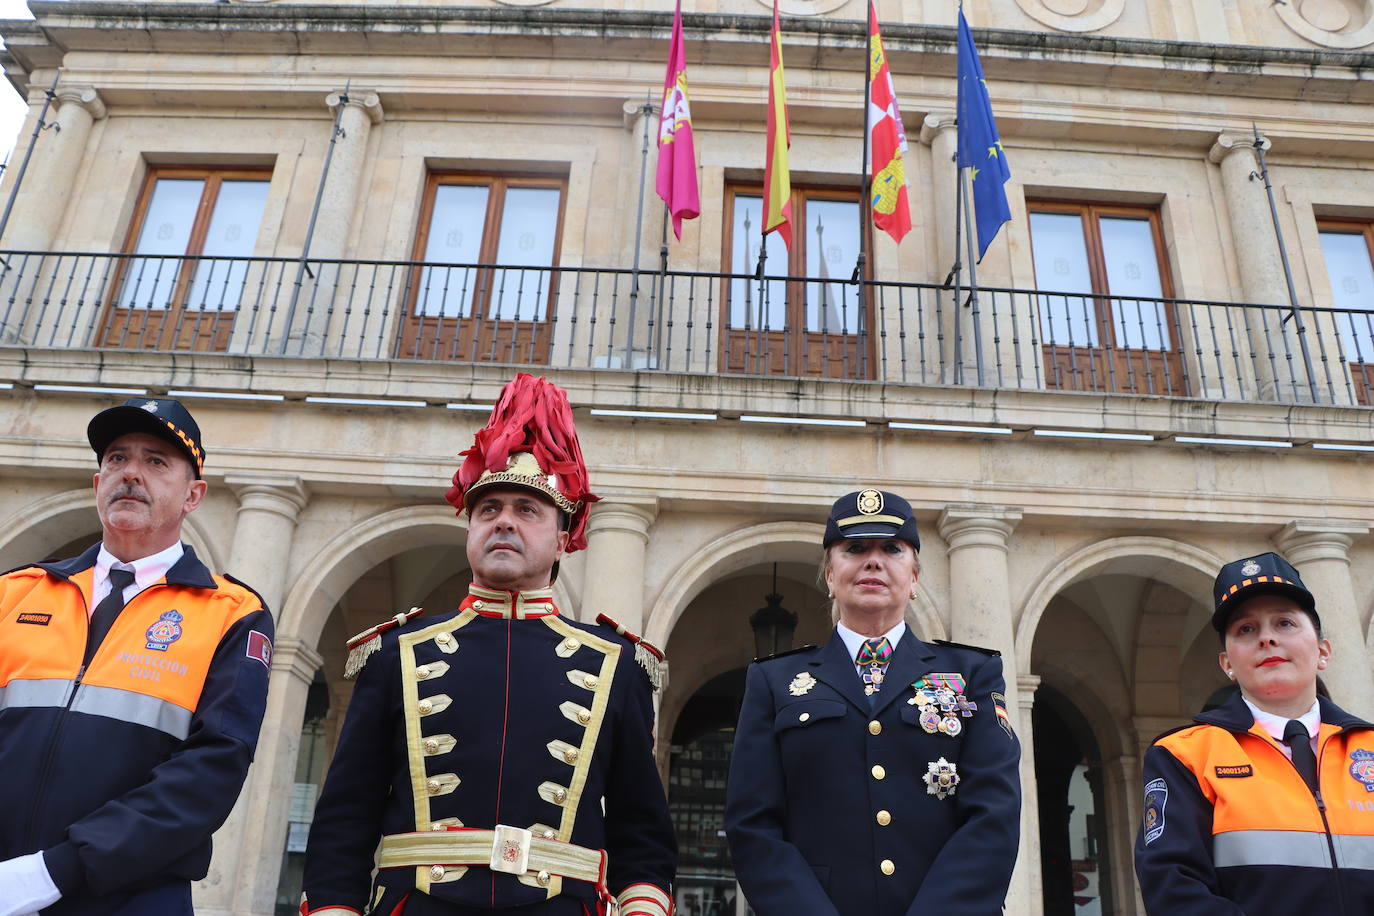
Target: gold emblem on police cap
(801, 684)
(870, 502)
(1250, 568)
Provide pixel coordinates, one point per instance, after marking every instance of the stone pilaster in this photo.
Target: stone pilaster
(1026, 685)
(248, 849)
(617, 536)
(1320, 550)
(54, 169)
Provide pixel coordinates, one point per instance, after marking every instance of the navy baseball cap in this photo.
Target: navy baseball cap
(162, 417)
(1266, 574)
(872, 513)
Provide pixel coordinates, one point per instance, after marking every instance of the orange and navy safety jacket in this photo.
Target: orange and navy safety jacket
(119, 771)
(1230, 827)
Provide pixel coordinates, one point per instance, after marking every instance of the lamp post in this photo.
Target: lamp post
(773, 624)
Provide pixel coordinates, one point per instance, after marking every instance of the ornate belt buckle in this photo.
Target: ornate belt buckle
(510, 850)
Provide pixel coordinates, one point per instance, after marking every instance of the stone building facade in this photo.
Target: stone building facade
(259, 207)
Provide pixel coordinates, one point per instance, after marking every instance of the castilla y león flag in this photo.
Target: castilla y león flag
(677, 159)
(887, 140)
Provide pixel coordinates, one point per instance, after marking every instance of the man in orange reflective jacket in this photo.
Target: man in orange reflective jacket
(1266, 804)
(132, 688)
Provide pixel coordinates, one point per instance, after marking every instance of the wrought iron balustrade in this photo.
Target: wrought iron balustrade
(687, 321)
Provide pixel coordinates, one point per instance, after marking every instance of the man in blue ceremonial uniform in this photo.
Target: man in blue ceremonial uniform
(875, 775)
(501, 753)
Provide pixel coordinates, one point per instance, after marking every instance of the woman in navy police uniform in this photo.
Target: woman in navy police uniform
(876, 774)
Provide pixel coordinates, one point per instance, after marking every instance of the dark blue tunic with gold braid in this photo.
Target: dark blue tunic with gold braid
(503, 713)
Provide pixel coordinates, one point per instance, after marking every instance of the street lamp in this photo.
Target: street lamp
(773, 624)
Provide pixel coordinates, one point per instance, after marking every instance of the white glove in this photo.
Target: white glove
(25, 886)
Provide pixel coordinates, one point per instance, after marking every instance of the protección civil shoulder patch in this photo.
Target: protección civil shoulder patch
(1156, 798)
(1237, 771)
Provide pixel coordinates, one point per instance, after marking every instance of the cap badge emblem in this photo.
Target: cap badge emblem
(150, 406)
(870, 502)
(801, 684)
(941, 779)
(1251, 568)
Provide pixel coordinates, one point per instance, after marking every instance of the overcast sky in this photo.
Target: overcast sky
(12, 107)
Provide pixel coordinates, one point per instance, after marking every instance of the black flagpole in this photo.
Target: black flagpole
(864, 191)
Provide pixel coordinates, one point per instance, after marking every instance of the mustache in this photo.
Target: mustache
(128, 491)
(509, 540)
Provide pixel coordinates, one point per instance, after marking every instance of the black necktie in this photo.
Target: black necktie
(107, 610)
(1298, 741)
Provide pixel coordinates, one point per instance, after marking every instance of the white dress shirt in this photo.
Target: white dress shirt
(852, 641)
(147, 570)
(1274, 725)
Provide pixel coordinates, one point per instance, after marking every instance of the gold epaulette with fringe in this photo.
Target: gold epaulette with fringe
(647, 654)
(361, 647)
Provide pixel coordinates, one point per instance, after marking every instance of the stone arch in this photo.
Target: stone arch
(792, 542)
(342, 561)
(40, 527)
(1188, 568)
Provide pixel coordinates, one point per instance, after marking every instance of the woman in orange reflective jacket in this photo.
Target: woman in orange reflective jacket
(1265, 804)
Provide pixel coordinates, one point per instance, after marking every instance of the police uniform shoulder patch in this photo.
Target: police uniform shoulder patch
(365, 644)
(647, 654)
(1156, 798)
(961, 645)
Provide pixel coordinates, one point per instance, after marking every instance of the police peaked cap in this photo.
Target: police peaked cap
(872, 513)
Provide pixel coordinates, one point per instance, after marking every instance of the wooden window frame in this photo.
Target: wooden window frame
(1361, 373)
(474, 337)
(1107, 365)
(790, 351)
(164, 329)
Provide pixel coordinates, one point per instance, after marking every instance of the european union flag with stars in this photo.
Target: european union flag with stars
(980, 147)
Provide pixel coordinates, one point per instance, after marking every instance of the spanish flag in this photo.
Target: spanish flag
(777, 180)
(887, 140)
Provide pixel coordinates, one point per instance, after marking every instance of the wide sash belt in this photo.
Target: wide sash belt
(504, 849)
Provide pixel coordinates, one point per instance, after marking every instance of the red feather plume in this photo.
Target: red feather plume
(531, 415)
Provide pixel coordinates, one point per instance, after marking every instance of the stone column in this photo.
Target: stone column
(42, 199)
(1261, 271)
(632, 346)
(266, 524)
(1026, 685)
(1320, 549)
(617, 536)
(980, 614)
(946, 320)
(313, 297)
(268, 508)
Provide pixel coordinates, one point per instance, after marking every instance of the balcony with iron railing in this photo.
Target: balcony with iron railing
(687, 322)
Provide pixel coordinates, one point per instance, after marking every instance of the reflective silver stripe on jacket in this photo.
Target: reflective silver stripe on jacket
(1271, 847)
(1291, 847)
(1354, 851)
(37, 692)
(138, 708)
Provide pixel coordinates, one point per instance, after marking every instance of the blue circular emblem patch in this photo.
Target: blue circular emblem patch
(165, 631)
(1363, 768)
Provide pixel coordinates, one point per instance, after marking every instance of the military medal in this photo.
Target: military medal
(941, 779)
(801, 684)
(951, 726)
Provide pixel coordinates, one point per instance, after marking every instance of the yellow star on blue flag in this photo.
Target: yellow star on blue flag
(978, 131)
